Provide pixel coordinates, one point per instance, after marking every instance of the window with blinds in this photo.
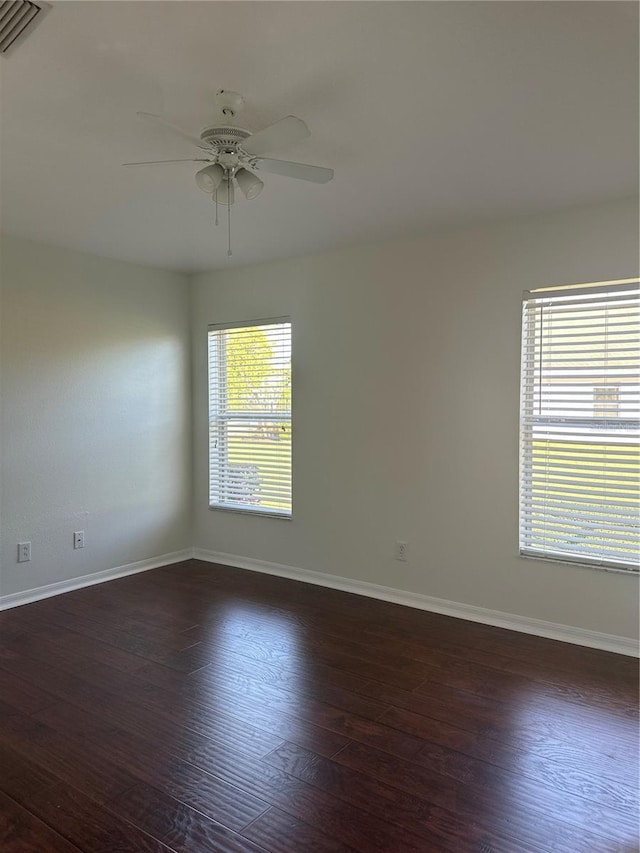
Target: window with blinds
(580, 424)
(250, 417)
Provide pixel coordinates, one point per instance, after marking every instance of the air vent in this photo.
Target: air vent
(17, 18)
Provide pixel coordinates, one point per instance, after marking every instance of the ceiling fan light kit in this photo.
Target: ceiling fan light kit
(225, 194)
(209, 178)
(250, 184)
(233, 154)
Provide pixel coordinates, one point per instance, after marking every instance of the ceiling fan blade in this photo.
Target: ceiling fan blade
(317, 174)
(284, 132)
(165, 162)
(152, 117)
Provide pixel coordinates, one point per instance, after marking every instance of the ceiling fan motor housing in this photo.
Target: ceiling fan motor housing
(225, 143)
(224, 138)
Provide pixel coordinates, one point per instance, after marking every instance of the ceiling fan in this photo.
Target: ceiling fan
(233, 154)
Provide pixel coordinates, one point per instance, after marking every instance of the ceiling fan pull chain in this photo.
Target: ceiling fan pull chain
(229, 252)
(215, 195)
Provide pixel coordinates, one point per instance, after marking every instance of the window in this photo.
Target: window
(250, 417)
(580, 424)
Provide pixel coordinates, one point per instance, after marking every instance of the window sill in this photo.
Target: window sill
(618, 570)
(253, 512)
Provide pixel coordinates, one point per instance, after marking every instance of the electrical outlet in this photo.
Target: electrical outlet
(401, 551)
(24, 552)
(78, 539)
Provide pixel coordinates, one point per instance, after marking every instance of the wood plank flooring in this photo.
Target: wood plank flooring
(204, 709)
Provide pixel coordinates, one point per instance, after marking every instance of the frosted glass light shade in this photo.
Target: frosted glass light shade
(209, 178)
(225, 192)
(249, 183)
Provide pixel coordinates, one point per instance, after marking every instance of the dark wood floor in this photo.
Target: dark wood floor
(211, 710)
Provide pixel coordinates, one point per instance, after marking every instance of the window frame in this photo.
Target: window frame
(239, 415)
(526, 419)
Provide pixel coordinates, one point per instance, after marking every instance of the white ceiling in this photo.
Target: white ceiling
(430, 113)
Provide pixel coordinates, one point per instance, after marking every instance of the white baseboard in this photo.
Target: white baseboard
(524, 624)
(29, 595)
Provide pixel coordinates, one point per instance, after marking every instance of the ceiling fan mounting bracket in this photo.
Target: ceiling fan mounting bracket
(228, 102)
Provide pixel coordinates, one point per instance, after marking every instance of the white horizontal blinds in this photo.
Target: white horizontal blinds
(250, 417)
(579, 425)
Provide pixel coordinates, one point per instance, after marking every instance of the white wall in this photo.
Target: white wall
(95, 389)
(406, 371)
(406, 360)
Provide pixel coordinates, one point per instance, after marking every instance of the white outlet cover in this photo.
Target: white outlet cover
(401, 551)
(24, 552)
